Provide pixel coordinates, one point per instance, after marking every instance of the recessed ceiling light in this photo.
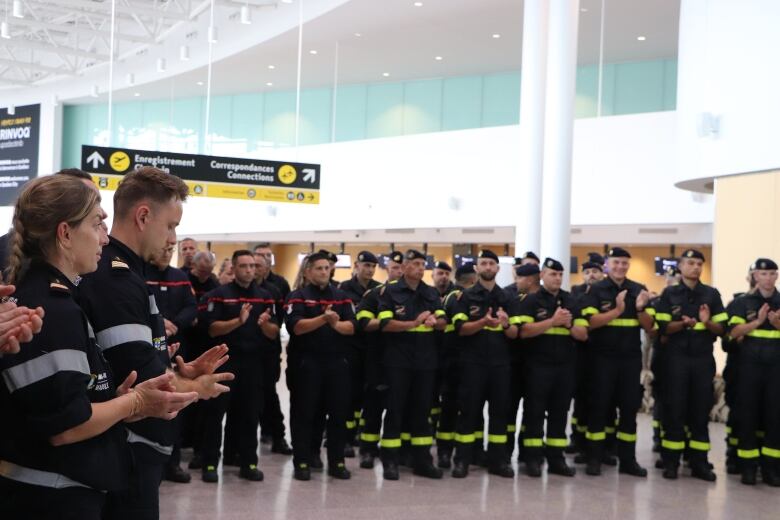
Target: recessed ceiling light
(386, 74)
(199, 83)
(136, 94)
(438, 58)
(418, 4)
(358, 35)
(583, 9)
(287, 1)
(312, 51)
(269, 84)
(641, 38)
(271, 67)
(496, 36)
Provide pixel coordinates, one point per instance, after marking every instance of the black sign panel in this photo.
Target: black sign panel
(210, 176)
(19, 138)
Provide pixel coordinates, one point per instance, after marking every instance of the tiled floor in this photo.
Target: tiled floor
(368, 496)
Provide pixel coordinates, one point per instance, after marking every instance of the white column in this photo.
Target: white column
(559, 131)
(532, 107)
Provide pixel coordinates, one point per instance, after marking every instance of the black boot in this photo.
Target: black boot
(281, 447)
(367, 460)
(444, 459)
(632, 467)
(210, 475)
(251, 473)
(558, 466)
(749, 475)
(461, 470)
(427, 470)
(703, 472)
(533, 468)
(339, 471)
(390, 470)
(302, 472)
(770, 474)
(174, 473)
(502, 469)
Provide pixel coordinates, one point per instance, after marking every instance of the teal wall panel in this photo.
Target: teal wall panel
(501, 99)
(385, 110)
(462, 103)
(351, 102)
(422, 106)
(639, 87)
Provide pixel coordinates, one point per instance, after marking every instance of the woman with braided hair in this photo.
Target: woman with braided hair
(67, 446)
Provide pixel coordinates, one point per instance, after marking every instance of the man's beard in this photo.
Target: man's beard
(488, 277)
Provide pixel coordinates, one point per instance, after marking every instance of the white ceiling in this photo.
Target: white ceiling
(395, 37)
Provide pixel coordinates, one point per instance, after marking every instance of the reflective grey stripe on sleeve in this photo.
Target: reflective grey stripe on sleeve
(37, 369)
(153, 305)
(134, 437)
(37, 477)
(113, 336)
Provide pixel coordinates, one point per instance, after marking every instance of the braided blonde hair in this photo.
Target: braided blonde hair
(44, 203)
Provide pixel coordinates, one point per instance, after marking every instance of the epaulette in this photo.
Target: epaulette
(57, 286)
(118, 263)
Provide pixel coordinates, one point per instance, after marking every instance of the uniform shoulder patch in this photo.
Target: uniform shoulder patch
(119, 263)
(58, 286)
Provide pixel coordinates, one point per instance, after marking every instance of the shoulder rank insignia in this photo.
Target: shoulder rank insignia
(118, 263)
(57, 285)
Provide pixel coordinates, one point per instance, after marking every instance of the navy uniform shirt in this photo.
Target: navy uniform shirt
(280, 284)
(621, 336)
(451, 340)
(49, 387)
(129, 329)
(416, 348)
(224, 304)
(555, 345)
(679, 300)
(763, 343)
(355, 292)
(489, 346)
(310, 302)
(175, 298)
(198, 339)
(728, 345)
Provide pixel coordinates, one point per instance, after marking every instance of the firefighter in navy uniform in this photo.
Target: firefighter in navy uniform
(203, 280)
(360, 283)
(658, 364)
(175, 298)
(592, 272)
(442, 282)
(375, 399)
(550, 323)
(484, 328)
(755, 323)
(731, 377)
(616, 309)
(320, 318)
(465, 277)
(272, 417)
(691, 316)
(131, 331)
(526, 282)
(409, 312)
(241, 315)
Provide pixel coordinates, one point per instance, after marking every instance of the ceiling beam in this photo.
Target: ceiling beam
(124, 8)
(35, 66)
(21, 43)
(78, 29)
